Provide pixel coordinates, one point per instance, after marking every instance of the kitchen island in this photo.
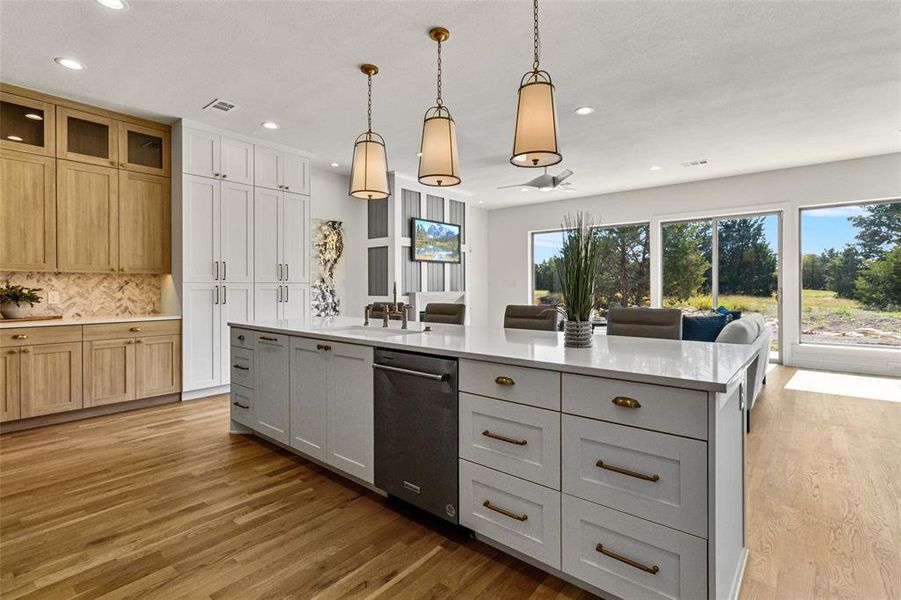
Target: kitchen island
(617, 467)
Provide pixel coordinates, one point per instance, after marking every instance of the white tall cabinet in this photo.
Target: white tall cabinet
(245, 244)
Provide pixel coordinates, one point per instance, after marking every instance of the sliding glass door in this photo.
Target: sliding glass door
(727, 261)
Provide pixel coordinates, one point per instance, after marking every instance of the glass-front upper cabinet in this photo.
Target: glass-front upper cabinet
(85, 137)
(143, 149)
(26, 125)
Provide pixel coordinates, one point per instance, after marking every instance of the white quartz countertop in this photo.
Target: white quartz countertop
(695, 365)
(86, 321)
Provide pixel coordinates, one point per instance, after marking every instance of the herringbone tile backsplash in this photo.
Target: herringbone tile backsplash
(92, 294)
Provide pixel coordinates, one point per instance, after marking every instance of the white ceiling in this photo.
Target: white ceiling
(750, 86)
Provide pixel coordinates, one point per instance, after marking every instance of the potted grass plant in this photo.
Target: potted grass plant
(13, 299)
(576, 268)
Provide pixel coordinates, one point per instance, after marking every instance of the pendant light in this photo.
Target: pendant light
(369, 170)
(438, 164)
(535, 139)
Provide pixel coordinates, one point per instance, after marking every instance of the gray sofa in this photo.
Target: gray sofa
(751, 328)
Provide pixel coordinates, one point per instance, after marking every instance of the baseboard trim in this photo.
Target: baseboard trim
(86, 413)
(206, 392)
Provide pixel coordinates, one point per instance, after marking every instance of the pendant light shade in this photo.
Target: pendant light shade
(535, 137)
(369, 170)
(438, 162)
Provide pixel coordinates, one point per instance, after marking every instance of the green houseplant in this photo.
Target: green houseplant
(14, 297)
(576, 268)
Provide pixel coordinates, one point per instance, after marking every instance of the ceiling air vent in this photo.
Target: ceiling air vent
(695, 163)
(219, 105)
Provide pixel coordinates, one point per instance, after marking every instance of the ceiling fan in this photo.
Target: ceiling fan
(545, 182)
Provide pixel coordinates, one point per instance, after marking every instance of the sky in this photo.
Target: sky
(821, 228)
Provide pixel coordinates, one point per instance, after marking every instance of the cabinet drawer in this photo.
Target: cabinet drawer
(242, 338)
(242, 405)
(535, 387)
(659, 477)
(109, 331)
(242, 367)
(512, 438)
(656, 407)
(31, 336)
(630, 557)
(518, 514)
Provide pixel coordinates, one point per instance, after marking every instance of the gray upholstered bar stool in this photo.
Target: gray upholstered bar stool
(526, 316)
(440, 312)
(663, 323)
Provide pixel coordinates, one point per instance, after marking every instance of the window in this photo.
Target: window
(687, 264)
(851, 275)
(624, 269)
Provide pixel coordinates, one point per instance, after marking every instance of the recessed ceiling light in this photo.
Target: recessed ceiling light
(69, 63)
(584, 110)
(34, 116)
(655, 168)
(14, 138)
(113, 4)
(334, 165)
(269, 125)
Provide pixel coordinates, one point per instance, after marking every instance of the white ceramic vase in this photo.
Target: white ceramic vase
(11, 310)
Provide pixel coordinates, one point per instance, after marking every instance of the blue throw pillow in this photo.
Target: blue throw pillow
(703, 329)
(736, 314)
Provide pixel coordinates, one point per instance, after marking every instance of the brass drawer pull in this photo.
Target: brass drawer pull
(652, 570)
(504, 380)
(487, 504)
(268, 339)
(239, 405)
(20, 336)
(136, 329)
(626, 402)
(12, 351)
(26, 350)
(323, 347)
(503, 438)
(655, 478)
(241, 368)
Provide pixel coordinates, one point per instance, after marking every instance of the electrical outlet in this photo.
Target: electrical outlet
(53, 297)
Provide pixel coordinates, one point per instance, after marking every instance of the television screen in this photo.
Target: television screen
(435, 242)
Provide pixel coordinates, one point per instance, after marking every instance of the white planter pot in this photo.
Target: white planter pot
(12, 311)
(577, 334)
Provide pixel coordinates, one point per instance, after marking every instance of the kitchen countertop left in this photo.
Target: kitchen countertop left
(87, 321)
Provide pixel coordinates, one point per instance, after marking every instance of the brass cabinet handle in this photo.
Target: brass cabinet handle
(136, 329)
(215, 174)
(268, 339)
(12, 351)
(487, 504)
(129, 341)
(224, 176)
(241, 368)
(652, 570)
(240, 338)
(626, 402)
(139, 341)
(239, 405)
(504, 380)
(26, 350)
(20, 336)
(655, 478)
(503, 438)
(323, 347)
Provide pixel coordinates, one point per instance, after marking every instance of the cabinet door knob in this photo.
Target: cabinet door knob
(112, 162)
(136, 329)
(11, 351)
(26, 350)
(626, 402)
(224, 176)
(287, 187)
(241, 338)
(129, 341)
(215, 174)
(20, 336)
(139, 341)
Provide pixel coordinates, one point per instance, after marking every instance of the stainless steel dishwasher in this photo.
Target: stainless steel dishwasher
(416, 430)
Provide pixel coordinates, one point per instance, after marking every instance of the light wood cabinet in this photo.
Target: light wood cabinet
(27, 212)
(109, 372)
(144, 223)
(158, 365)
(9, 385)
(86, 137)
(143, 149)
(50, 378)
(27, 125)
(87, 209)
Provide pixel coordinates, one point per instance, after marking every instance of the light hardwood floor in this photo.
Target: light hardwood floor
(164, 503)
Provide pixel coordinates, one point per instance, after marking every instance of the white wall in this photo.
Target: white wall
(786, 190)
(477, 239)
(330, 201)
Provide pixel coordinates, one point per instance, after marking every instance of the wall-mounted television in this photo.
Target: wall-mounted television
(434, 241)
